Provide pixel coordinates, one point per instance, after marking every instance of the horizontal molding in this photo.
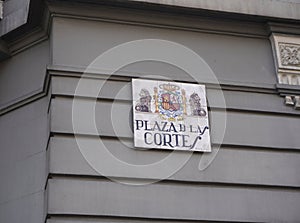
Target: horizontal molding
(105, 198)
(179, 20)
(287, 89)
(223, 145)
(26, 99)
(280, 9)
(148, 181)
(80, 72)
(242, 129)
(35, 37)
(71, 218)
(232, 166)
(114, 89)
(277, 27)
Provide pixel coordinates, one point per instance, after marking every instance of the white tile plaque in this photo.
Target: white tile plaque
(170, 115)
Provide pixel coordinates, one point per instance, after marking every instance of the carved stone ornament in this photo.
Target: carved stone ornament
(286, 51)
(289, 54)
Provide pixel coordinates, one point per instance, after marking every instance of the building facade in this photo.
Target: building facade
(251, 52)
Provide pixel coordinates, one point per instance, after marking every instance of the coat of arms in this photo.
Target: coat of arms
(169, 102)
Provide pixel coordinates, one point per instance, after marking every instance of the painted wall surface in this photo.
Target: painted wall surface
(253, 177)
(23, 172)
(24, 136)
(45, 176)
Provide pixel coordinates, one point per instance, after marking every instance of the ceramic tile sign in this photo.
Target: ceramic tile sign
(170, 115)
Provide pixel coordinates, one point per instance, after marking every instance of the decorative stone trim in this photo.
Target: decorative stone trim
(289, 54)
(293, 101)
(286, 51)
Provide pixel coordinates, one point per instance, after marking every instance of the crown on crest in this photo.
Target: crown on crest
(169, 87)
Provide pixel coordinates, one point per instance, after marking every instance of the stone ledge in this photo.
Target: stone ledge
(269, 8)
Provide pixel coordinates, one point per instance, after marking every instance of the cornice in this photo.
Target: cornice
(286, 51)
(268, 8)
(35, 36)
(200, 21)
(284, 28)
(173, 19)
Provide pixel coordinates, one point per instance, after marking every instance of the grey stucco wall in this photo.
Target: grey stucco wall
(248, 59)
(24, 136)
(45, 178)
(253, 177)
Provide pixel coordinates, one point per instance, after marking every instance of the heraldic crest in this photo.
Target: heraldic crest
(169, 100)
